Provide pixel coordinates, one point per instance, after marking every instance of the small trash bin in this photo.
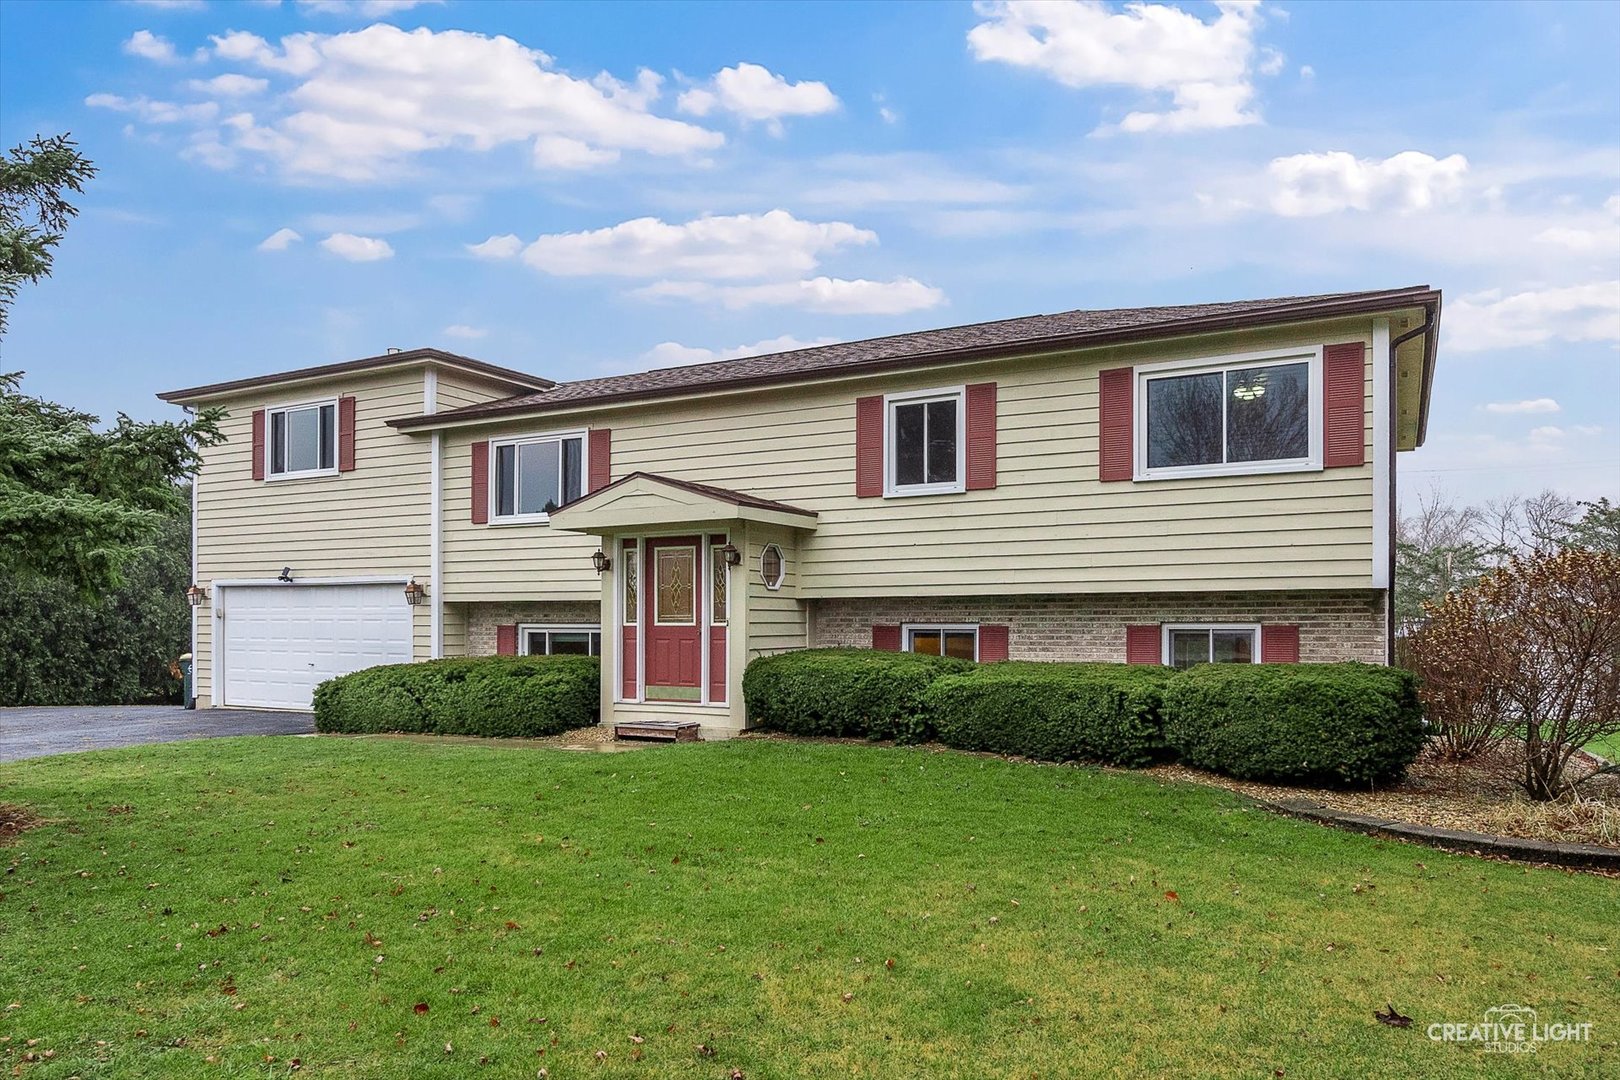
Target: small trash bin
(187, 695)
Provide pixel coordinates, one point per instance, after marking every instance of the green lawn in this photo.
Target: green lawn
(1607, 747)
(199, 908)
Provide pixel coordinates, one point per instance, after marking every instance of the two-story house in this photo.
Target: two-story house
(1171, 485)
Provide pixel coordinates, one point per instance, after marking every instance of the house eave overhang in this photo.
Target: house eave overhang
(1314, 311)
(644, 501)
(515, 381)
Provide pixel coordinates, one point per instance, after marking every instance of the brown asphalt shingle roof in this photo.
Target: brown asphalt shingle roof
(979, 340)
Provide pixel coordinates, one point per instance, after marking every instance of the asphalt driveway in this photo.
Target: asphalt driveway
(37, 732)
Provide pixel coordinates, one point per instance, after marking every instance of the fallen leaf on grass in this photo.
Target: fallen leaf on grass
(1170, 895)
(1391, 1017)
(420, 1007)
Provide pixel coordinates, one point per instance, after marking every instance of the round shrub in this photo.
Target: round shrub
(491, 696)
(1053, 712)
(1323, 724)
(844, 692)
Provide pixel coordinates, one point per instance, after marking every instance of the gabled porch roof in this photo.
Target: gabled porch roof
(645, 499)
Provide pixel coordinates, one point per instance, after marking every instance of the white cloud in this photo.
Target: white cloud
(357, 248)
(170, 5)
(371, 102)
(1534, 317)
(1207, 68)
(773, 244)
(1306, 185)
(832, 296)
(674, 354)
(280, 240)
(1307, 72)
(150, 46)
(155, 112)
(497, 247)
(752, 92)
(1600, 233)
(1529, 405)
(465, 332)
(229, 85)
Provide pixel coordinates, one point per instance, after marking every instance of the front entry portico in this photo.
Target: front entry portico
(699, 580)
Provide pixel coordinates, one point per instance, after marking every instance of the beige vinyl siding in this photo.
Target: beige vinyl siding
(372, 522)
(1048, 527)
(777, 618)
(458, 388)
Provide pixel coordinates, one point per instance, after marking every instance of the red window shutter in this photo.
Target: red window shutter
(1142, 645)
(981, 436)
(992, 644)
(1115, 455)
(869, 447)
(506, 640)
(601, 451)
(345, 424)
(258, 444)
(1279, 644)
(1344, 405)
(886, 638)
(480, 483)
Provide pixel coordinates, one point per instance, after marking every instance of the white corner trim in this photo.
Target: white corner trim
(430, 404)
(1383, 467)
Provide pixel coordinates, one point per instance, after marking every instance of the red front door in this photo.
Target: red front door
(674, 619)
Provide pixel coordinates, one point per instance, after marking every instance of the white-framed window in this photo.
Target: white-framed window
(630, 574)
(719, 582)
(582, 640)
(925, 442)
(302, 440)
(1189, 644)
(534, 475)
(772, 566)
(1228, 416)
(959, 640)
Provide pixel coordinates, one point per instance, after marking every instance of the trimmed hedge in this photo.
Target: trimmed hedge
(1323, 724)
(1319, 724)
(1054, 712)
(492, 696)
(844, 692)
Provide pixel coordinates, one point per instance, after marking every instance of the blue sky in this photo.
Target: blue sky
(581, 189)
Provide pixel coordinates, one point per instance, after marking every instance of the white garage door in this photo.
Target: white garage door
(278, 642)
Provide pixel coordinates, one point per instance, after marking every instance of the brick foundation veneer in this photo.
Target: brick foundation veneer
(1333, 625)
(482, 619)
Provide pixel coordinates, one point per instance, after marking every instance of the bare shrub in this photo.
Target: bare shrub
(1531, 653)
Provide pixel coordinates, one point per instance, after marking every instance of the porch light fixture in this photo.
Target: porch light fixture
(196, 596)
(731, 554)
(601, 561)
(414, 592)
(285, 575)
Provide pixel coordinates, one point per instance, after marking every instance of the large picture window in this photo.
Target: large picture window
(560, 640)
(535, 476)
(1189, 646)
(1253, 416)
(924, 442)
(303, 439)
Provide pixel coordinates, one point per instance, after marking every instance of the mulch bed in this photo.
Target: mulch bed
(1472, 796)
(14, 821)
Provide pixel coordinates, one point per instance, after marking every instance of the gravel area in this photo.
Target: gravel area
(1473, 796)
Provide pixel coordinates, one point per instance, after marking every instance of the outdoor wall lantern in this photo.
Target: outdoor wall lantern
(196, 596)
(601, 561)
(731, 554)
(285, 575)
(414, 592)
